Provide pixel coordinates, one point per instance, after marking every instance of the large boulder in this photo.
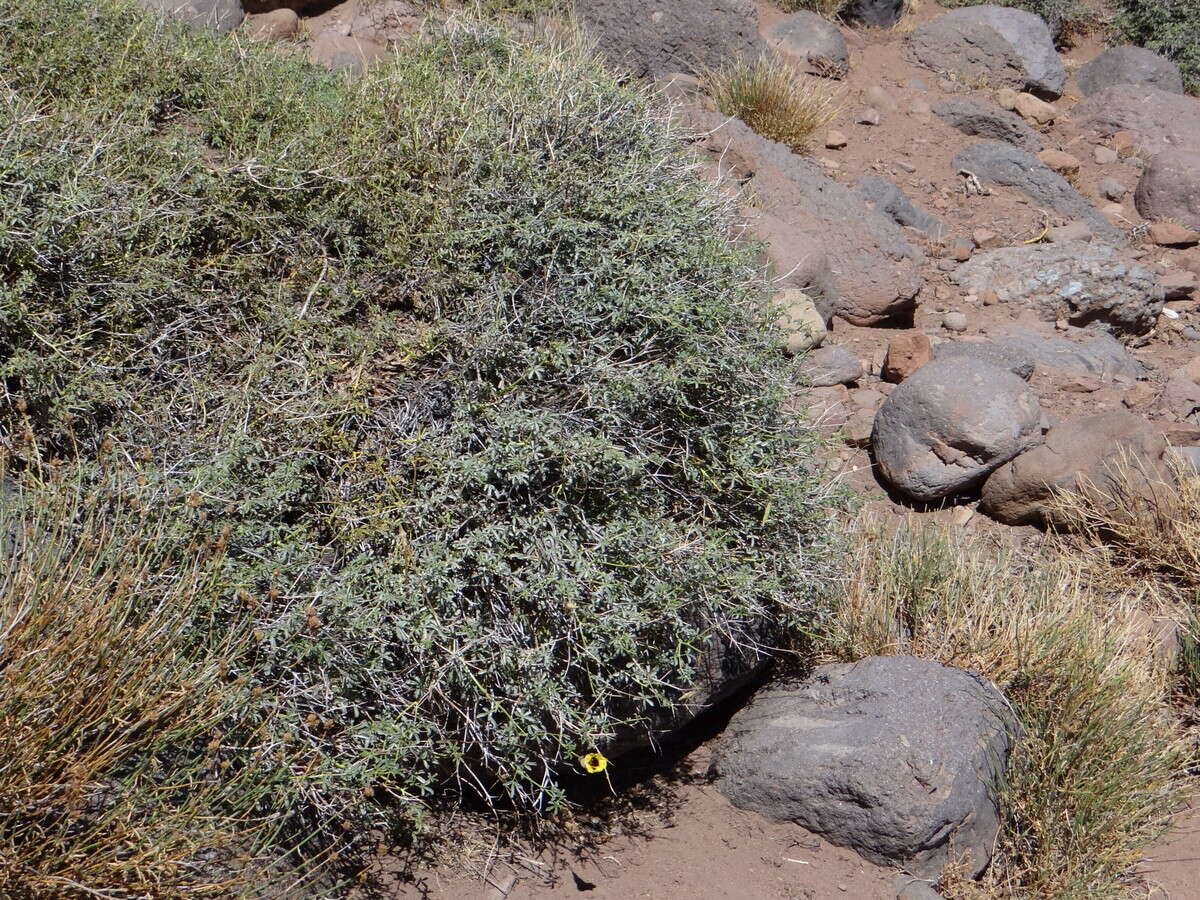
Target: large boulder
(1082, 354)
(1170, 187)
(988, 121)
(1161, 120)
(947, 426)
(219, 15)
(1001, 163)
(651, 37)
(1006, 47)
(897, 757)
(812, 41)
(875, 271)
(1098, 456)
(797, 258)
(1129, 65)
(1002, 356)
(1079, 281)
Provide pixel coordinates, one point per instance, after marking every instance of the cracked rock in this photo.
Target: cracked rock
(947, 426)
(894, 756)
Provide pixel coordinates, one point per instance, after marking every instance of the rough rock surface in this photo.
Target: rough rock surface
(877, 270)
(811, 40)
(947, 426)
(1002, 356)
(894, 756)
(650, 37)
(832, 365)
(1086, 454)
(798, 258)
(338, 51)
(802, 324)
(890, 200)
(1129, 65)
(1160, 119)
(997, 162)
(1007, 47)
(990, 122)
(1081, 282)
(277, 25)
(1095, 354)
(219, 15)
(1170, 187)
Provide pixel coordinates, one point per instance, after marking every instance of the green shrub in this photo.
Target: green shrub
(1068, 19)
(456, 362)
(1169, 27)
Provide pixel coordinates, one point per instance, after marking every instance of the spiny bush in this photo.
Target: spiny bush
(121, 772)
(1098, 769)
(1169, 27)
(457, 359)
(774, 99)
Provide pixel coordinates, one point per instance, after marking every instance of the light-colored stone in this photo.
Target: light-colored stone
(954, 321)
(1170, 234)
(276, 25)
(1111, 189)
(835, 140)
(1061, 162)
(801, 322)
(987, 240)
(1035, 110)
(1072, 231)
(1105, 156)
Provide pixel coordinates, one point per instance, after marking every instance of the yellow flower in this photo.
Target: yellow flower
(594, 763)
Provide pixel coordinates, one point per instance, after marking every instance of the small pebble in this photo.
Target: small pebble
(954, 321)
(868, 116)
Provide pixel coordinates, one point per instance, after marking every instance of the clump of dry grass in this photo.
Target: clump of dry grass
(115, 777)
(774, 99)
(1095, 776)
(830, 9)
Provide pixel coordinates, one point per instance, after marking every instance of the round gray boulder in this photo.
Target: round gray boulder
(1129, 65)
(894, 756)
(950, 424)
(811, 40)
(1170, 187)
(832, 365)
(1007, 47)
